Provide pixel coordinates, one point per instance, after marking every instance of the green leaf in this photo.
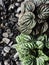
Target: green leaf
(27, 6)
(43, 56)
(24, 53)
(40, 61)
(25, 45)
(25, 49)
(26, 22)
(28, 60)
(42, 38)
(39, 45)
(44, 27)
(28, 47)
(47, 44)
(14, 46)
(43, 11)
(22, 38)
(45, 36)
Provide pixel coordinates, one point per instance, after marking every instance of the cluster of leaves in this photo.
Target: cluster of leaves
(34, 17)
(31, 49)
(33, 20)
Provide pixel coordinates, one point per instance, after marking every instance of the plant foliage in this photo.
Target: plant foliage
(31, 49)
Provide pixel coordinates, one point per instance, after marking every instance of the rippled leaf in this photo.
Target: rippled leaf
(27, 6)
(43, 11)
(26, 23)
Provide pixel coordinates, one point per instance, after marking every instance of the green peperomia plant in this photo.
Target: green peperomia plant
(33, 20)
(31, 50)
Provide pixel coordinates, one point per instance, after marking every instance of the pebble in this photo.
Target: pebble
(10, 35)
(17, 15)
(5, 34)
(19, 0)
(3, 53)
(6, 62)
(0, 63)
(13, 19)
(18, 63)
(16, 55)
(6, 49)
(6, 24)
(1, 2)
(10, 44)
(26, 0)
(19, 10)
(11, 7)
(6, 40)
(2, 25)
(17, 4)
(8, 31)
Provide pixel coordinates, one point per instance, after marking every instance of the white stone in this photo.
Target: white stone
(11, 6)
(19, 0)
(0, 63)
(19, 9)
(5, 35)
(17, 4)
(27, 0)
(10, 43)
(4, 54)
(6, 40)
(16, 55)
(6, 62)
(6, 49)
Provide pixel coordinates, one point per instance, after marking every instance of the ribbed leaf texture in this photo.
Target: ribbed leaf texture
(33, 23)
(26, 22)
(27, 6)
(34, 17)
(43, 11)
(31, 49)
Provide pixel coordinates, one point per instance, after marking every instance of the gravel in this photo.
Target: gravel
(6, 40)
(8, 31)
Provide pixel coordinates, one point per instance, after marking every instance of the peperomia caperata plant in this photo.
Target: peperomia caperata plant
(31, 50)
(33, 24)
